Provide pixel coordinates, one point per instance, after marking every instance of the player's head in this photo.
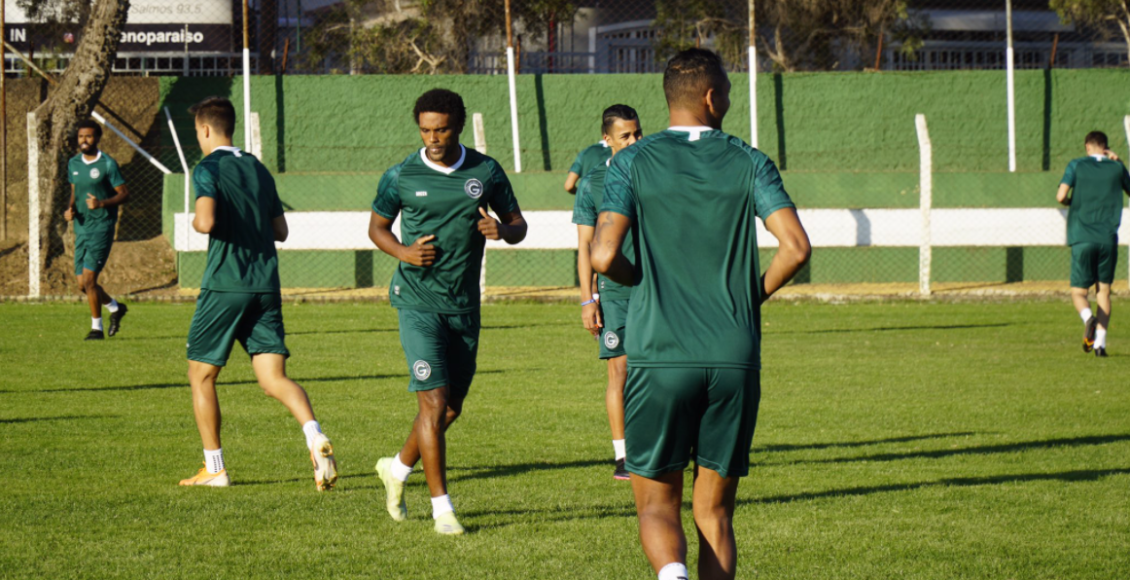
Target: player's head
(215, 122)
(1095, 143)
(620, 126)
(440, 115)
(88, 135)
(695, 82)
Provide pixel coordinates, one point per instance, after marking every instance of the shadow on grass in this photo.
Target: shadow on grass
(897, 328)
(461, 473)
(518, 326)
(343, 331)
(781, 448)
(340, 477)
(62, 418)
(1065, 476)
(981, 450)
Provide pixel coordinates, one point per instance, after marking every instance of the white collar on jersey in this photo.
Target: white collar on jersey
(92, 161)
(608, 162)
(603, 143)
(234, 150)
(1099, 157)
(440, 168)
(695, 132)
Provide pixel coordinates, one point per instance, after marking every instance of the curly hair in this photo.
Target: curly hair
(88, 124)
(445, 102)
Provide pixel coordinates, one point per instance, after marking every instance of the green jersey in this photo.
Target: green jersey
(590, 193)
(590, 157)
(443, 202)
(1095, 211)
(241, 247)
(693, 194)
(97, 178)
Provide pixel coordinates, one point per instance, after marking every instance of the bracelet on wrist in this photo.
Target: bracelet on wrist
(587, 302)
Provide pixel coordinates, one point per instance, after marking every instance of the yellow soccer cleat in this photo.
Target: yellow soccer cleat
(394, 490)
(447, 525)
(204, 478)
(325, 466)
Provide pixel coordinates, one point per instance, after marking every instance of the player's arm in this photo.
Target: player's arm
(121, 196)
(205, 218)
(605, 254)
(509, 227)
(69, 213)
(571, 182)
(793, 250)
(1061, 195)
(282, 231)
(590, 310)
(420, 253)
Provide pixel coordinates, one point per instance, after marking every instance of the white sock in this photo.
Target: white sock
(1100, 338)
(618, 447)
(674, 571)
(96, 323)
(441, 505)
(311, 429)
(112, 306)
(1085, 314)
(400, 471)
(214, 460)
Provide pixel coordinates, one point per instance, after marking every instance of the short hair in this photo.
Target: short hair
(89, 124)
(216, 112)
(617, 113)
(1097, 138)
(690, 74)
(445, 102)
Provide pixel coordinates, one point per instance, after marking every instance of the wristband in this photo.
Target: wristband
(596, 296)
(587, 302)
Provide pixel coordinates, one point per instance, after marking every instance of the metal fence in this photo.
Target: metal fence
(848, 162)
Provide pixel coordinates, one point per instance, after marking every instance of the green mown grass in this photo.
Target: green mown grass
(900, 440)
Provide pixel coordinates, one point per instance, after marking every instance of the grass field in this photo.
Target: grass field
(896, 440)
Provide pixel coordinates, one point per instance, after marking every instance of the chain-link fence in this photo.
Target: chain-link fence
(840, 83)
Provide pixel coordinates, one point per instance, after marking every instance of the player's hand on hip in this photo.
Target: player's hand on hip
(420, 253)
(590, 315)
(488, 226)
(92, 202)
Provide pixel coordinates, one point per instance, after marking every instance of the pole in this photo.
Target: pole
(1010, 81)
(184, 165)
(33, 240)
(925, 202)
(3, 133)
(246, 84)
(513, 91)
(752, 76)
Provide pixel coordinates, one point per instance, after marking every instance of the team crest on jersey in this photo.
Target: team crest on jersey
(422, 370)
(611, 340)
(94, 173)
(474, 188)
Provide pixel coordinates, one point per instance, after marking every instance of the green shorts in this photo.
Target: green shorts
(92, 249)
(1092, 263)
(221, 318)
(441, 349)
(614, 314)
(672, 414)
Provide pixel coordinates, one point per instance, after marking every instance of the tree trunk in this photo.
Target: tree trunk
(69, 102)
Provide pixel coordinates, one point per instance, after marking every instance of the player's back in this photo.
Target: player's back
(241, 246)
(1096, 200)
(696, 195)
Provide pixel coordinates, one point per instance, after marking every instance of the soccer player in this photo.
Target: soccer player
(604, 309)
(1095, 184)
(689, 196)
(238, 207)
(588, 158)
(98, 185)
(441, 193)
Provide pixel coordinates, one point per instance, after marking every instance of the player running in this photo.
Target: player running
(98, 186)
(604, 308)
(238, 207)
(588, 158)
(441, 193)
(690, 197)
(1096, 183)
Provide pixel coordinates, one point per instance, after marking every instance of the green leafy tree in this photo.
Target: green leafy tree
(1102, 15)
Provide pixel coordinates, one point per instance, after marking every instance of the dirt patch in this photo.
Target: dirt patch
(135, 268)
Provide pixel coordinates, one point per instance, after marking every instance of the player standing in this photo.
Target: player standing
(97, 183)
(694, 354)
(604, 310)
(441, 193)
(238, 207)
(588, 158)
(1096, 183)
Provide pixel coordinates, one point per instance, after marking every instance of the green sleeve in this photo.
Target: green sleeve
(387, 202)
(584, 211)
(204, 181)
(1069, 174)
(114, 174)
(618, 194)
(502, 199)
(70, 171)
(768, 191)
(578, 163)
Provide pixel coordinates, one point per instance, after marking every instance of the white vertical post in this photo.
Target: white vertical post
(256, 146)
(480, 133)
(752, 76)
(32, 207)
(513, 109)
(246, 83)
(926, 185)
(1010, 57)
(187, 186)
(483, 275)
(1126, 127)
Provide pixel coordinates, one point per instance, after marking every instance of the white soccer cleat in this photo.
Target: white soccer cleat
(448, 525)
(394, 490)
(325, 466)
